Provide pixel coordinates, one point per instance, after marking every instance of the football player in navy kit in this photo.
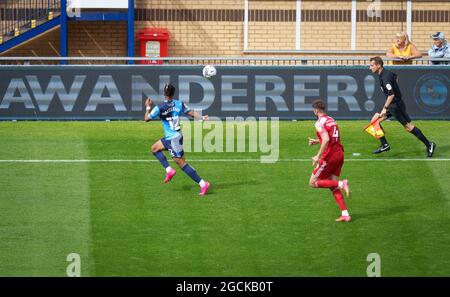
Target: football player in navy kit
(169, 113)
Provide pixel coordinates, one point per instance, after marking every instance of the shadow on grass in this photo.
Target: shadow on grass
(218, 185)
(402, 153)
(440, 150)
(380, 213)
(224, 185)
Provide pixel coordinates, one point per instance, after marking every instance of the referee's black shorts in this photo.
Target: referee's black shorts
(398, 110)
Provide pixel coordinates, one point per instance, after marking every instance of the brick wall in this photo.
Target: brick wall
(46, 45)
(191, 4)
(216, 28)
(370, 36)
(200, 38)
(97, 39)
(85, 39)
(326, 25)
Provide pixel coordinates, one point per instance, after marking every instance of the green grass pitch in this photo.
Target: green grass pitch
(258, 219)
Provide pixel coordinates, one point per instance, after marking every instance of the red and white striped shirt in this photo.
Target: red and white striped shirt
(328, 124)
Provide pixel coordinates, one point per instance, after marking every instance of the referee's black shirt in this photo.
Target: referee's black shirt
(389, 86)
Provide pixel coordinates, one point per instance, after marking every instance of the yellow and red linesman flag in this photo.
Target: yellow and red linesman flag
(375, 129)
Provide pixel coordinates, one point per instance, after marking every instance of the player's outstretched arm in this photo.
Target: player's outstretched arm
(148, 109)
(312, 141)
(196, 115)
(323, 146)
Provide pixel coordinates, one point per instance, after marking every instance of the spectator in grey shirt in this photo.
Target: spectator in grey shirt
(439, 49)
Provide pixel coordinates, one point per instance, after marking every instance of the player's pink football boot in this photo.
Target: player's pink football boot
(169, 175)
(344, 219)
(204, 189)
(345, 187)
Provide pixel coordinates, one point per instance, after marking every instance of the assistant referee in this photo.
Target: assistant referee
(394, 106)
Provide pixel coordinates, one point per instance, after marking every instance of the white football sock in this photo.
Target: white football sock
(345, 213)
(202, 183)
(168, 169)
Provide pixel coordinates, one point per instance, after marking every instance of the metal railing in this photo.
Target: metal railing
(242, 61)
(17, 16)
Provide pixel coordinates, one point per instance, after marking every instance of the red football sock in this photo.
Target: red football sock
(327, 183)
(339, 199)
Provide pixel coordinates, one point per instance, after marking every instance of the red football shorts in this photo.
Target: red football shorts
(331, 165)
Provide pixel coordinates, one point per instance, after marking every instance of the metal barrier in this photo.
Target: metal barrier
(17, 16)
(251, 61)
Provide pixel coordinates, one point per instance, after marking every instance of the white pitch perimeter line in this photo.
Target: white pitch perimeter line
(215, 160)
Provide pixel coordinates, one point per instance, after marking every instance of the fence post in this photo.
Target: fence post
(130, 37)
(63, 31)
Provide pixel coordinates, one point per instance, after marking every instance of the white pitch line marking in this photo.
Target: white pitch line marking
(215, 160)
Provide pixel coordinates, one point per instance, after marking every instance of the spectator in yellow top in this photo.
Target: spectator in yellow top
(403, 49)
